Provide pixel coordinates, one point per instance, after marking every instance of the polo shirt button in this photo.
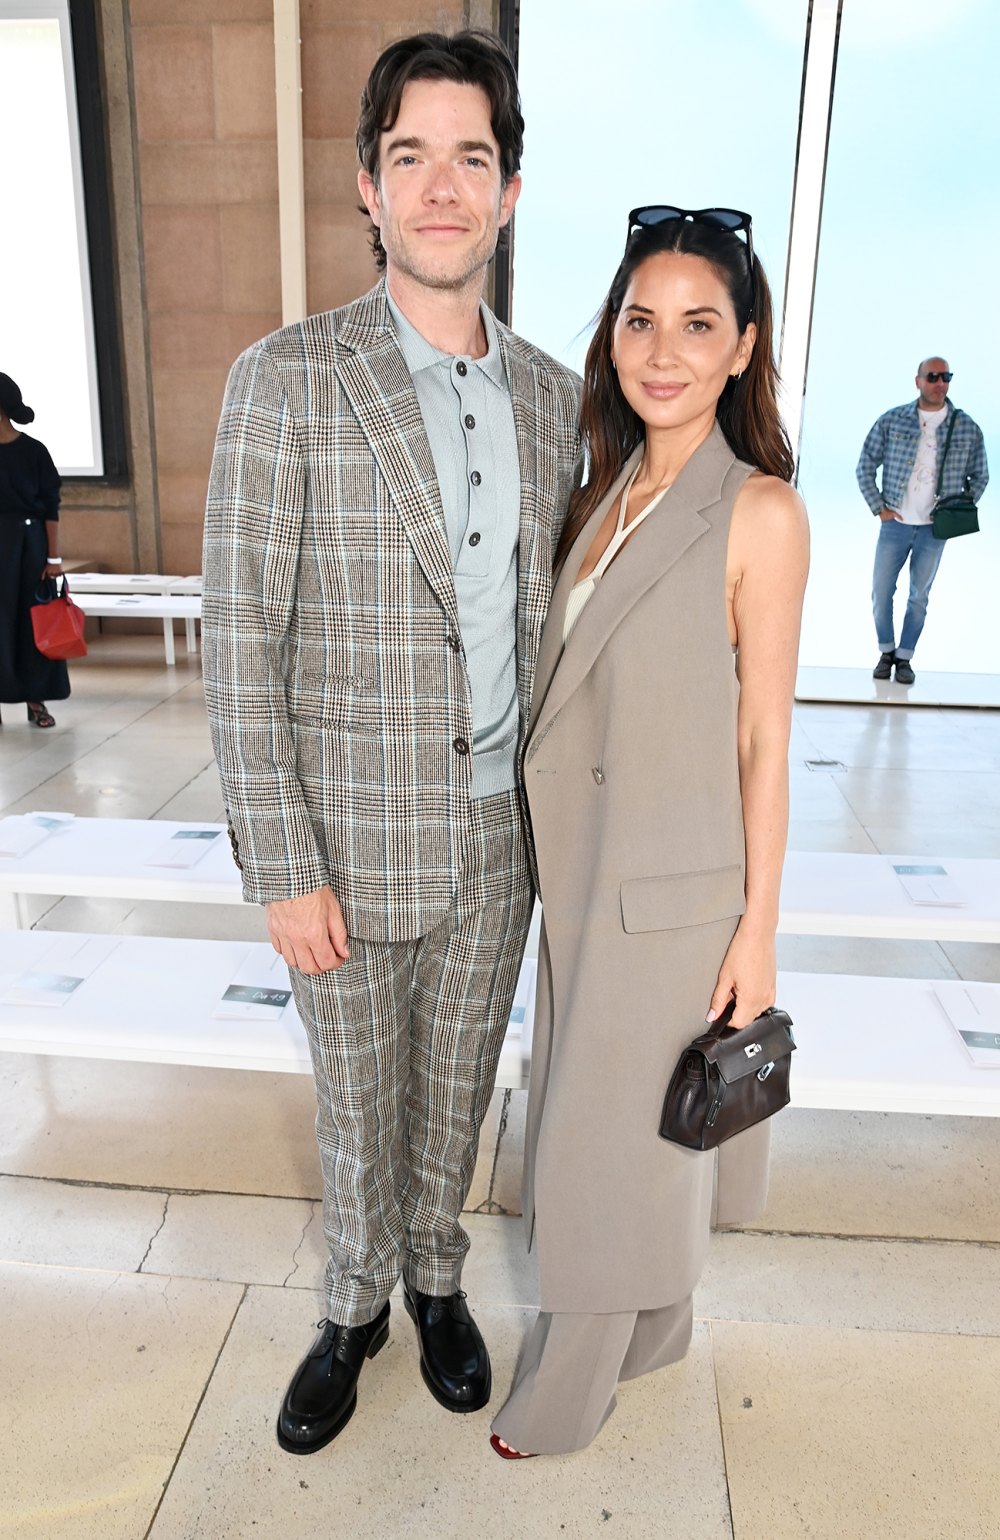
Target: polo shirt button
(475, 537)
(460, 746)
(461, 368)
(476, 479)
(470, 421)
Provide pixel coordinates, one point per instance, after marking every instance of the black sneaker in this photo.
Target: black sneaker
(904, 673)
(883, 668)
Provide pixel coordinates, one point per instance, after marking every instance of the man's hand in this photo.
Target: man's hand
(309, 932)
(889, 513)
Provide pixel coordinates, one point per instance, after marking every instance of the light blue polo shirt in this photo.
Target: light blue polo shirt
(466, 407)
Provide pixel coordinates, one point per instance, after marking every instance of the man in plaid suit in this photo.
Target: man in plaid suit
(389, 484)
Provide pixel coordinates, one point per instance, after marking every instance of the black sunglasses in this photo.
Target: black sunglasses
(653, 214)
(940, 374)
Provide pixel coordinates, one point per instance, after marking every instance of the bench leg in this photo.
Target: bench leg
(11, 915)
(168, 641)
(189, 637)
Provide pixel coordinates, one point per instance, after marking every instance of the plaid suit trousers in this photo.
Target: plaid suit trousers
(405, 1040)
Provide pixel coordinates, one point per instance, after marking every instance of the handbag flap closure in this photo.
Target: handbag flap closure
(736, 1054)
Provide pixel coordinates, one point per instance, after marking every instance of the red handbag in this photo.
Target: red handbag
(58, 624)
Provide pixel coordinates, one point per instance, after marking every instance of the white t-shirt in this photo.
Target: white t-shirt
(919, 499)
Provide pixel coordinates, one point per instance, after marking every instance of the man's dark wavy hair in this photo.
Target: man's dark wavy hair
(469, 58)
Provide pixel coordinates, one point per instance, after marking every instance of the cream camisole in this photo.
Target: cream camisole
(584, 590)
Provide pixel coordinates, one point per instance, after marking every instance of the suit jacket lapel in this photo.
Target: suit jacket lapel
(656, 547)
(531, 402)
(380, 390)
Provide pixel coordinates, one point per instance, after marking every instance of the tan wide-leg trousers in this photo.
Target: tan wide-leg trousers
(564, 1388)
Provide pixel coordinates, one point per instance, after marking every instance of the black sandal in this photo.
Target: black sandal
(39, 716)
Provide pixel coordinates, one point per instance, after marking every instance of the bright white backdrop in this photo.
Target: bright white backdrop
(698, 105)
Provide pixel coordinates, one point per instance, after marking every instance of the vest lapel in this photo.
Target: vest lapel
(660, 542)
(378, 386)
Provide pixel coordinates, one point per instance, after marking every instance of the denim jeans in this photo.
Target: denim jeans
(896, 542)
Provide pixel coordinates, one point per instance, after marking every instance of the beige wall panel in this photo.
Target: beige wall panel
(187, 414)
(336, 62)
(205, 341)
(173, 82)
(154, 12)
(398, 14)
(251, 257)
(183, 250)
(182, 497)
(331, 171)
(237, 171)
(244, 81)
(339, 262)
(182, 548)
(99, 535)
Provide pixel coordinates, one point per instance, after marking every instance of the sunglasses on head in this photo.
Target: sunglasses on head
(933, 375)
(733, 220)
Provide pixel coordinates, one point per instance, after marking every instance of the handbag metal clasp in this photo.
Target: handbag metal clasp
(752, 1049)
(765, 1070)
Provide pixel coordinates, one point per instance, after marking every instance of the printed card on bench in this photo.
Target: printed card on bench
(60, 971)
(974, 1012)
(259, 990)
(929, 883)
(184, 849)
(21, 832)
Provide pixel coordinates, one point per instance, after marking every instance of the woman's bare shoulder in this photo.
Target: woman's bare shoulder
(769, 502)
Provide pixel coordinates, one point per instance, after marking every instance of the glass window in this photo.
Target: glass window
(48, 331)
(907, 267)
(641, 102)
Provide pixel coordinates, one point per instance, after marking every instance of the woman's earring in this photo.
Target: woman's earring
(614, 366)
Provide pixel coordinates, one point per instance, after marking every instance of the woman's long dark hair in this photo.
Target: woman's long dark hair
(747, 410)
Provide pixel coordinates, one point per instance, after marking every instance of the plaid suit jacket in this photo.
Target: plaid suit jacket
(335, 679)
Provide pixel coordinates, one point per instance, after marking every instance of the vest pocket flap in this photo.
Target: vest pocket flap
(688, 898)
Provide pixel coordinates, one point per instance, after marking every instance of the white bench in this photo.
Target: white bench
(152, 1000)
(144, 605)
(878, 1043)
(870, 1043)
(828, 894)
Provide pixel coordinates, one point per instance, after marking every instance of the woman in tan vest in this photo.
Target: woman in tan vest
(657, 778)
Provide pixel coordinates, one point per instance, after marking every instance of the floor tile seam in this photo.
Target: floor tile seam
(849, 1237)
(840, 1326)
(152, 1238)
(185, 786)
(722, 1430)
(194, 1415)
(159, 1189)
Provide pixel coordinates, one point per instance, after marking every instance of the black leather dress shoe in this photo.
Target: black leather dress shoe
(321, 1399)
(454, 1362)
(904, 671)
(883, 668)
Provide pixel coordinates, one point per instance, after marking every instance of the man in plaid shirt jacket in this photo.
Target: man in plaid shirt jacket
(907, 442)
(389, 485)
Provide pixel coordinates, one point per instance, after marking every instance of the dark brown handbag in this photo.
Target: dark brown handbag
(726, 1080)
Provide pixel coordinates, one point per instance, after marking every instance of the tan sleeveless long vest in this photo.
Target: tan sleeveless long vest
(633, 785)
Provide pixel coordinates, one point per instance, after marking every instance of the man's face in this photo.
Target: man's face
(932, 392)
(438, 203)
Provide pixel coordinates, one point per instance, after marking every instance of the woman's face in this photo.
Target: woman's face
(676, 341)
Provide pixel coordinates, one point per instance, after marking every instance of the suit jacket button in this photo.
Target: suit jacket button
(454, 643)
(460, 746)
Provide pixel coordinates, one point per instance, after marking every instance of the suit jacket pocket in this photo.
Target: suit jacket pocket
(687, 898)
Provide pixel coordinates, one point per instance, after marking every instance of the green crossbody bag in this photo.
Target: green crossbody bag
(958, 515)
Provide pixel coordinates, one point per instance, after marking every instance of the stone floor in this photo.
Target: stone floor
(161, 1240)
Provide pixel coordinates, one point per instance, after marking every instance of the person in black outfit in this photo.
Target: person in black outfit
(29, 553)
